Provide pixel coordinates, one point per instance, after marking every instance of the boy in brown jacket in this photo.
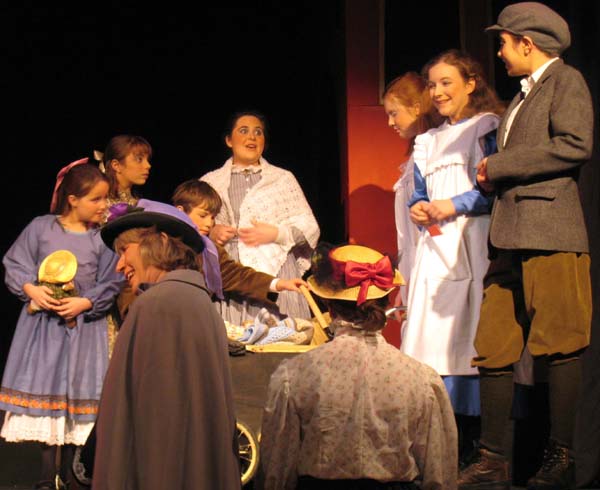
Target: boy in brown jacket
(202, 203)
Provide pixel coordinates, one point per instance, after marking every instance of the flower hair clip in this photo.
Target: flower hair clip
(121, 209)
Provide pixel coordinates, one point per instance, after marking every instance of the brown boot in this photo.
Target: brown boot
(557, 471)
(488, 471)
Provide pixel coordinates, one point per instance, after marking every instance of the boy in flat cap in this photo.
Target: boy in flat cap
(537, 289)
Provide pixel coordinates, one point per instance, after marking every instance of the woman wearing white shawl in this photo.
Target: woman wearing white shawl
(265, 221)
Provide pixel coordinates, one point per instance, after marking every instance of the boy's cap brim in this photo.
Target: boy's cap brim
(495, 28)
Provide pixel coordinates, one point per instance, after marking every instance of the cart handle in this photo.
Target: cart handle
(319, 335)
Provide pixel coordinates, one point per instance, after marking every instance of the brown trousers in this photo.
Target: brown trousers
(534, 298)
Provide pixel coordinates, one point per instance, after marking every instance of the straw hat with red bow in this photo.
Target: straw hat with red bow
(353, 273)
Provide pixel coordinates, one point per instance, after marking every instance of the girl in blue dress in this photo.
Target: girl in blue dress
(59, 354)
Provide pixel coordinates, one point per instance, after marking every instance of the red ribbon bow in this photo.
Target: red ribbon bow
(380, 274)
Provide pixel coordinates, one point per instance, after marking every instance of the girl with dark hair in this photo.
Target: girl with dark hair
(126, 163)
(265, 221)
(59, 353)
(453, 216)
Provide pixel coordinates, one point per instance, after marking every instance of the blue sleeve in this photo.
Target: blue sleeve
(474, 201)
(489, 143)
(420, 193)
(109, 283)
(21, 260)
(471, 202)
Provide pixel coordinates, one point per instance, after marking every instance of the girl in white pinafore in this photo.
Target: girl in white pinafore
(408, 106)
(451, 257)
(447, 282)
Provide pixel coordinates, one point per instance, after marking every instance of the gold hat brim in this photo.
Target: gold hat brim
(356, 253)
(58, 267)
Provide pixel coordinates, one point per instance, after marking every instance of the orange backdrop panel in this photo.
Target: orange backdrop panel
(374, 154)
(373, 150)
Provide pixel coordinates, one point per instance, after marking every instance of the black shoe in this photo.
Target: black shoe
(56, 484)
(557, 471)
(487, 471)
(45, 485)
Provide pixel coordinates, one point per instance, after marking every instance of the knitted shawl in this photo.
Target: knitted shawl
(276, 199)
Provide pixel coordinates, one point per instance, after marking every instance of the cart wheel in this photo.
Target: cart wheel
(248, 444)
(80, 472)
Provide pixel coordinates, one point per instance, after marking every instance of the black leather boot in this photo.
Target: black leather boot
(557, 471)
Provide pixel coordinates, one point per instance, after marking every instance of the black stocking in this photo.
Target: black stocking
(564, 383)
(48, 462)
(469, 428)
(496, 391)
(66, 466)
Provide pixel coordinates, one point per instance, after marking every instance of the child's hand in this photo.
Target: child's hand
(290, 284)
(419, 214)
(482, 176)
(69, 308)
(42, 296)
(259, 234)
(441, 210)
(400, 314)
(221, 234)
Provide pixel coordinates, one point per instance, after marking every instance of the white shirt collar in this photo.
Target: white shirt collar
(246, 169)
(528, 82)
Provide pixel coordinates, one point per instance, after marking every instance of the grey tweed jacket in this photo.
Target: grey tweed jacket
(535, 172)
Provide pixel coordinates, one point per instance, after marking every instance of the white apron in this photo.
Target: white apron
(407, 231)
(447, 278)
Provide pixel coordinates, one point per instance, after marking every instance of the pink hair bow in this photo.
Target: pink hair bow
(59, 178)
